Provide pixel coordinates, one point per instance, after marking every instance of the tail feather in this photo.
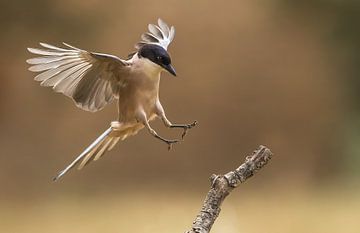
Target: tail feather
(104, 142)
(112, 144)
(102, 149)
(88, 157)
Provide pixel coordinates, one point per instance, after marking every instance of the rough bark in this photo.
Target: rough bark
(222, 185)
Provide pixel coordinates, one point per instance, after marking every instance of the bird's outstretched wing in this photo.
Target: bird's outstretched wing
(90, 79)
(159, 34)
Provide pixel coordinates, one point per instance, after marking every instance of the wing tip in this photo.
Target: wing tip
(71, 46)
(161, 31)
(31, 50)
(160, 21)
(28, 61)
(31, 68)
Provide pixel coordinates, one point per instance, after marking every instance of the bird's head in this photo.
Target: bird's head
(157, 55)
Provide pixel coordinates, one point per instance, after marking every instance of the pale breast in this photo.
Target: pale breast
(141, 90)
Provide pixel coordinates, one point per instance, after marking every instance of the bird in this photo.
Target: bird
(93, 80)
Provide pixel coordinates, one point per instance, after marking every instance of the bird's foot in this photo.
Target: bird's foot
(170, 143)
(186, 128)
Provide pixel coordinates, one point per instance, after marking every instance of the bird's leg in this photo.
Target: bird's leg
(167, 123)
(145, 121)
(118, 108)
(169, 142)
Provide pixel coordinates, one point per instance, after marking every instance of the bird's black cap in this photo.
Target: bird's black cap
(158, 55)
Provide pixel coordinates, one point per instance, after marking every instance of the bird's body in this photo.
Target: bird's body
(142, 90)
(93, 80)
(141, 95)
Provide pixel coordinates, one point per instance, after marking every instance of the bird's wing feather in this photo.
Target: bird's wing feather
(159, 34)
(90, 79)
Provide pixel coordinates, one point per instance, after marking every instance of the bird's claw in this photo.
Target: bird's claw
(186, 128)
(170, 142)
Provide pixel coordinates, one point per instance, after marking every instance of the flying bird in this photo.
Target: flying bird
(93, 80)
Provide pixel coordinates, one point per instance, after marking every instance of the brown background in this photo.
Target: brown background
(277, 73)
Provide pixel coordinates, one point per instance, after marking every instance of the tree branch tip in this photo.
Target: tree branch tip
(262, 154)
(213, 179)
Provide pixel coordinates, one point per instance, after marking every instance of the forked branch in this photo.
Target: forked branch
(222, 185)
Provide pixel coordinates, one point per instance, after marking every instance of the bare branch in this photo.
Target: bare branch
(222, 185)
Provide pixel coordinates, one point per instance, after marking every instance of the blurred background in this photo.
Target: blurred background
(280, 73)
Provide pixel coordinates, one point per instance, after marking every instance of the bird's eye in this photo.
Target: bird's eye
(159, 58)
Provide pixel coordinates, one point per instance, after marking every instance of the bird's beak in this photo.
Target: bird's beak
(170, 69)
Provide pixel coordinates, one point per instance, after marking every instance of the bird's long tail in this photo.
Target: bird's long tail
(96, 150)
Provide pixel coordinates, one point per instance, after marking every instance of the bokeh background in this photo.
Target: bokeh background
(280, 73)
